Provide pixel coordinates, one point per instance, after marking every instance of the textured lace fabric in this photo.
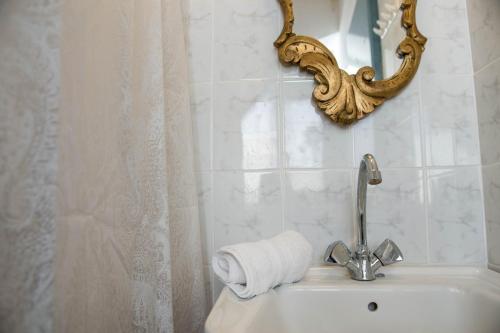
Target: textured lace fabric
(99, 223)
(29, 97)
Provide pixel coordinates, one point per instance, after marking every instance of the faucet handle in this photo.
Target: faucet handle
(338, 253)
(388, 253)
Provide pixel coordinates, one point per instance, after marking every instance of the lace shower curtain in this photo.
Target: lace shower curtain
(99, 227)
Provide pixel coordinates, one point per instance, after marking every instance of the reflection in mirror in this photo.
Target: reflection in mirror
(358, 32)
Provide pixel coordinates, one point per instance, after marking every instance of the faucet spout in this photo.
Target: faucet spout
(362, 264)
(369, 173)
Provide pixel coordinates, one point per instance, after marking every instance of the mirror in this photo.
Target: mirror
(361, 52)
(359, 33)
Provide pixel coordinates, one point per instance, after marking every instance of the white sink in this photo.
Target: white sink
(408, 299)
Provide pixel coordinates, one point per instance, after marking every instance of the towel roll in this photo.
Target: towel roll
(251, 269)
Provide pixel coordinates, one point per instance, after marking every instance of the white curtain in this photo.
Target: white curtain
(29, 98)
(127, 244)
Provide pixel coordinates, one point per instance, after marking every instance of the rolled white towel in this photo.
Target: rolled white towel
(251, 269)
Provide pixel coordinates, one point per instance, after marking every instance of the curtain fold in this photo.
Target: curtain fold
(128, 234)
(29, 98)
(126, 239)
(190, 297)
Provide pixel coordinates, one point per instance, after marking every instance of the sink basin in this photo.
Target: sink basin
(407, 299)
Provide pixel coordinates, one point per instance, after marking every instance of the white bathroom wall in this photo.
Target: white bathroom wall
(484, 16)
(268, 160)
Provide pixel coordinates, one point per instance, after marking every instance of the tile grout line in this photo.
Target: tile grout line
(282, 142)
(278, 77)
(491, 165)
(212, 140)
(282, 153)
(314, 170)
(469, 34)
(483, 213)
(353, 205)
(487, 66)
(480, 173)
(425, 170)
(476, 111)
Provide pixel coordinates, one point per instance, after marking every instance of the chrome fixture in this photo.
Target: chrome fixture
(363, 264)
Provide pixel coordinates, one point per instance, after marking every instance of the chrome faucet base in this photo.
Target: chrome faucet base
(363, 264)
(364, 273)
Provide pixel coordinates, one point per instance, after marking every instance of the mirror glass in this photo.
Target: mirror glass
(358, 32)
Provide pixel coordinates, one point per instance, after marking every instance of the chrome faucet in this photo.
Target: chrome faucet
(363, 264)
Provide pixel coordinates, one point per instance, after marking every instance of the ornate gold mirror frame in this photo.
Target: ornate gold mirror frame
(343, 97)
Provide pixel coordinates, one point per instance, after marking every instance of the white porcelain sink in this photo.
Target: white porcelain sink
(408, 299)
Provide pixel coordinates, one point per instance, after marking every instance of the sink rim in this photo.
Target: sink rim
(408, 273)
(335, 278)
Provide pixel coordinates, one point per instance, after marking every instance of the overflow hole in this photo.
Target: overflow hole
(373, 306)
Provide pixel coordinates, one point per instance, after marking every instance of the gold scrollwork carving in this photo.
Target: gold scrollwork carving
(347, 98)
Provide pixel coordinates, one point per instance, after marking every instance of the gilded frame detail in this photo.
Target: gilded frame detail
(347, 98)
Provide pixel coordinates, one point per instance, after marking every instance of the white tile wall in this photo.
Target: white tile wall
(456, 222)
(318, 205)
(488, 104)
(200, 38)
(310, 140)
(396, 210)
(201, 107)
(444, 23)
(393, 132)
(450, 121)
(247, 206)
(246, 125)
(484, 16)
(485, 31)
(270, 161)
(491, 178)
(243, 32)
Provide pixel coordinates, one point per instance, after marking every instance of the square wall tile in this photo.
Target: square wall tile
(442, 19)
(447, 57)
(456, 222)
(488, 110)
(319, 205)
(199, 39)
(245, 31)
(484, 31)
(247, 206)
(444, 23)
(245, 125)
(293, 73)
(395, 209)
(392, 132)
(201, 111)
(312, 140)
(491, 181)
(450, 123)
